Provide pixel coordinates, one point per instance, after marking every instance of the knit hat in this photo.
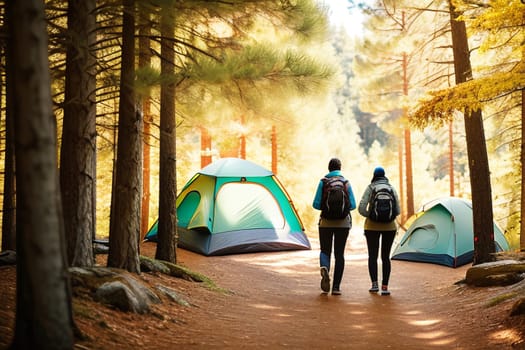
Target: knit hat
(334, 164)
(379, 172)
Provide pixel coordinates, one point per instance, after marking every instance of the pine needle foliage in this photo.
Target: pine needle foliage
(262, 63)
(498, 26)
(469, 96)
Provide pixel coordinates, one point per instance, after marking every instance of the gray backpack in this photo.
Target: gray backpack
(382, 207)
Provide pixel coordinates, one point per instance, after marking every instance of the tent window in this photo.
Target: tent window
(241, 206)
(424, 237)
(187, 208)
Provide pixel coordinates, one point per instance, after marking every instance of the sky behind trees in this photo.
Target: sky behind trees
(342, 16)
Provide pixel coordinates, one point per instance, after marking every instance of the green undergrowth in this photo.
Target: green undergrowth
(500, 299)
(183, 272)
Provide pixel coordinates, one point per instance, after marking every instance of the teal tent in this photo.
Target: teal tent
(442, 233)
(236, 206)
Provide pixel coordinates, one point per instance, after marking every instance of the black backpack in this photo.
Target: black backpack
(382, 206)
(335, 203)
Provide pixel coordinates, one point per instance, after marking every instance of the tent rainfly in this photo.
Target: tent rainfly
(442, 233)
(235, 206)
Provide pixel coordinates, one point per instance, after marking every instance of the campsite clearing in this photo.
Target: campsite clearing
(274, 302)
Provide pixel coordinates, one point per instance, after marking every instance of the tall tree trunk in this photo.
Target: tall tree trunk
(242, 139)
(9, 200)
(408, 172)
(167, 226)
(522, 156)
(451, 157)
(408, 143)
(43, 313)
(206, 152)
(401, 180)
(78, 149)
(274, 149)
(125, 217)
(476, 148)
(146, 167)
(145, 61)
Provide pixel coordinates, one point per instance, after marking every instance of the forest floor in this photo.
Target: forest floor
(273, 301)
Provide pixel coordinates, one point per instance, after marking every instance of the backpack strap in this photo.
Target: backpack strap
(374, 186)
(386, 185)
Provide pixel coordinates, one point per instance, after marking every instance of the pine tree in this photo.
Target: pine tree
(44, 317)
(78, 146)
(127, 191)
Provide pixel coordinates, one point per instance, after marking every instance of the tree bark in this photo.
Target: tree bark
(408, 143)
(476, 148)
(78, 148)
(206, 151)
(145, 61)
(274, 150)
(522, 157)
(451, 158)
(402, 196)
(125, 217)
(408, 171)
(9, 200)
(43, 313)
(167, 226)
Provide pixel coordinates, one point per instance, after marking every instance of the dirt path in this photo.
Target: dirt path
(277, 304)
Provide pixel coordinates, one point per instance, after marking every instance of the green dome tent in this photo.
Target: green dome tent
(442, 233)
(236, 206)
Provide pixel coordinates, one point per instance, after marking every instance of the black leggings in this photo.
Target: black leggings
(372, 241)
(337, 237)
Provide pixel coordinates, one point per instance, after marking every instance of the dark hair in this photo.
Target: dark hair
(334, 164)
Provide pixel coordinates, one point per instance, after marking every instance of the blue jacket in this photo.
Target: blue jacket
(347, 222)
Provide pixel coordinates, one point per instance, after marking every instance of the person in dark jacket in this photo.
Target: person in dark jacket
(333, 232)
(378, 231)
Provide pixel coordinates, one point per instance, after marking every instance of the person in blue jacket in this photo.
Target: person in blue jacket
(333, 231)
